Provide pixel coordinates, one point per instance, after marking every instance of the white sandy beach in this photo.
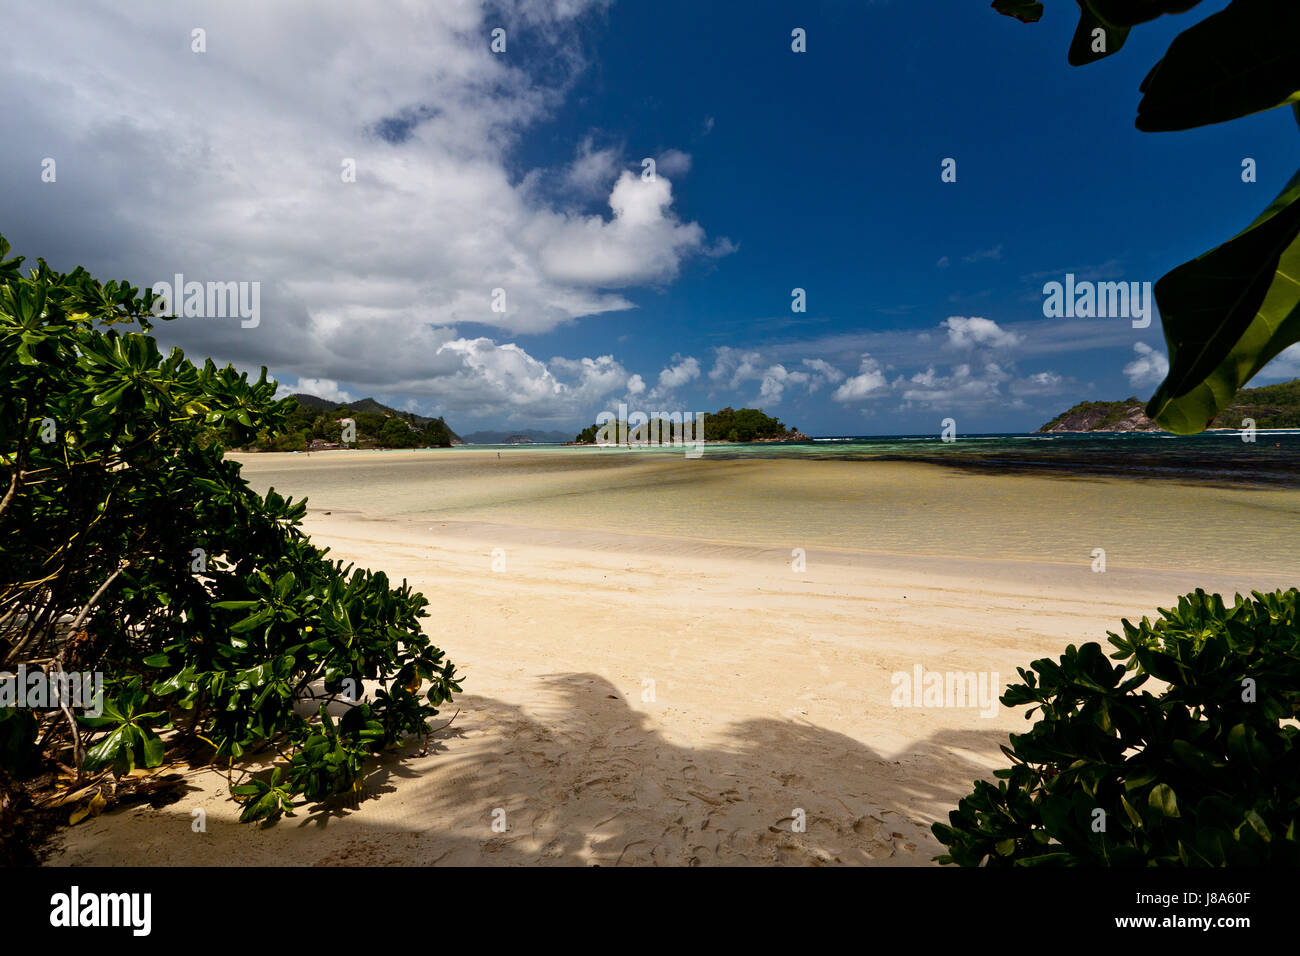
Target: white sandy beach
(771, 688)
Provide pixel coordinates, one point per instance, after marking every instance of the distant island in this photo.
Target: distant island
(1271, 406)
(727, 424)
(524, 436)
(317, 424)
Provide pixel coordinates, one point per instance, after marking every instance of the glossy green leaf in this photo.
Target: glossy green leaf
(1134, 817)
(252, 621)
(1094, 38)
(1257, 824)
(235, 605)
(1129, 13)
(1162, 800)
(1239, 61)
(1026, 11)
(153, 751)
(106, 751)
(1227, 313)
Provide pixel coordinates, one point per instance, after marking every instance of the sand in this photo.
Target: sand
(649, 681)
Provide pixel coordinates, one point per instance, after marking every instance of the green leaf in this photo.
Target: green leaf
(153, 751)
(1239, 61)
(1162, 800)
(1094, 38)
(284, 585)
(252, 621)
(1026, 11)
(98, 723)
(106, 751)
(1129, 13)
(261, 698)
(1227, 313)
(174, 683)
(1258, 825)
(1134, 817)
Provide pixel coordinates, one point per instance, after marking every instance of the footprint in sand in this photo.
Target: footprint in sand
(868, 826)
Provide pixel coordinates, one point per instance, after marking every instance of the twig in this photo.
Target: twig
(444, 726)
(20, 462)
(122, 565)
(424, 751)
(76, 737)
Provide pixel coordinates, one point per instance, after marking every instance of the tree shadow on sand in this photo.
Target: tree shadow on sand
(583, 778)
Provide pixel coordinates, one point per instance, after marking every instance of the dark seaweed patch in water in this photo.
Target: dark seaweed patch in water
(1273, 459)
(1206, 471)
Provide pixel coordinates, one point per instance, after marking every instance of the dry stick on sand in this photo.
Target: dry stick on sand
(424, 752)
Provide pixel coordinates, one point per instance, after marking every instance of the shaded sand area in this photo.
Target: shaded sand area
(649, 681)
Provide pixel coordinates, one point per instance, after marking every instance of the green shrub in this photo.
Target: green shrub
(204, 605)
(1204, 771)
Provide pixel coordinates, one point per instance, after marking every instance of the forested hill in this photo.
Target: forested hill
(726, 424)
(315, 423)
(1271, 406)
(316, 403)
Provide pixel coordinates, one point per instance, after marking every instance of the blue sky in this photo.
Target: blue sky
(521, 171)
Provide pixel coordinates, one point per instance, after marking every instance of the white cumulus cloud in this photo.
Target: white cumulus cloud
(675, 376)
(320, 387)
(965, 333)
(1149, 368)
(869, 381)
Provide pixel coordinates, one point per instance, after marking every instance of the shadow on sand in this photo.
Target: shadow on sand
(580, 776)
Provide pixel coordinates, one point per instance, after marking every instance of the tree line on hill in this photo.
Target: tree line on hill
(726, 424)
(1268, 406)
(375, 426)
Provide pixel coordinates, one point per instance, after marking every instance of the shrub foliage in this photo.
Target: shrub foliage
(129, 545)
(1184, 754)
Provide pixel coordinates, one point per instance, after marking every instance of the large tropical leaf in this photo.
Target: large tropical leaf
(1026, 11)
(1227, 313)
(1242, 60)
(1082, 46)
(1115, 18)
(1129, 13)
